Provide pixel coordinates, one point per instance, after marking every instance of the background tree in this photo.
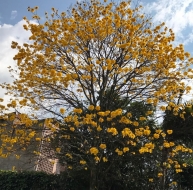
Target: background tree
(180, 121)
(94, 62)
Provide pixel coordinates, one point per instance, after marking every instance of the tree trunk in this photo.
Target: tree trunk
(93, 179)
(164, 158)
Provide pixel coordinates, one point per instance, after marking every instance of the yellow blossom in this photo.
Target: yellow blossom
(166, 145)
(99, 128)
(17, 156)
(91, 107)
(163, 134)
(156, 136)
(184, 165)
(135, 123)
(113, 131)
(169, 132)
(119, 152)
(97, 108)
(101, 113)
(77, 110)
(62, 110)
(125, 149)
(69, 155)
(127, 132)
(96, 158)
(72, 128)
(142, 118)
(94, 151)
(58, 150)
(102, 146)
(129, 115)
(146, 132)
(160, 174)
(150, 179)
(105, 159)
(82, 162)
(172, 143)
(101, 119)
(178, 170)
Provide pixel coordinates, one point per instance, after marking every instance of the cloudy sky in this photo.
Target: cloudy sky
(177, 14)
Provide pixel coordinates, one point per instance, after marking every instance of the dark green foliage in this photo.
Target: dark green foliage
(31, 180)
(182, 127)
(75, 180)
(186, 178)
(27, 180)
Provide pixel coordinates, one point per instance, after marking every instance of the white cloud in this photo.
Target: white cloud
(177, 15)
(13, 14)
(9, 33)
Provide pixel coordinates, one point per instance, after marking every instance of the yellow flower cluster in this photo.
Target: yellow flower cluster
(147, 148)
(91, 107)
(94, 151)
(146, 132)
(102, 146)
(178, 170)
(76, 110)
(97, 108)
(156, 136)
(125, 120)
(58, 150)
(127, 132)
(150, 179)
(97, 159)
(69, 155)
(105, 159)
(116, 113)
(181, 148)
(169, 132)
(112, 130)
(168, 144)
(160, 174)
(119, 152)
(83, 162)
(125, 149)
(62, 110)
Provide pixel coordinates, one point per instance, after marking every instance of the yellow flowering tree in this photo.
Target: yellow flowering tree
(180, 124)
(86, 67)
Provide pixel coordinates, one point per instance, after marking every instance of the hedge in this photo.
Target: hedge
(31, 180)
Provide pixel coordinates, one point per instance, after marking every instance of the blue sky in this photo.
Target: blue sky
(12, 11)
(177, 14)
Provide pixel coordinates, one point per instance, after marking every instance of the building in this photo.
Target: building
(20, 160)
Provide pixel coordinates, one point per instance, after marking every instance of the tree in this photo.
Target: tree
(180, 121)
(95, 62)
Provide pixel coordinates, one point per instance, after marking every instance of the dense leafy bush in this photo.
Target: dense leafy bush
(31, 180)
(27, 180)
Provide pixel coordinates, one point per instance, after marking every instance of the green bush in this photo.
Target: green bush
(28, 180)
(31, 180)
